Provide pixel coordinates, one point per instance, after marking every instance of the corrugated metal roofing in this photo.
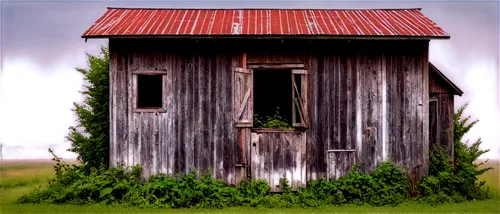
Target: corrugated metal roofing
(119, 22)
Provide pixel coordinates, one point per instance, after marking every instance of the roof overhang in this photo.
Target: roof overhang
(255, 23)
(456, 90)
(311, 37)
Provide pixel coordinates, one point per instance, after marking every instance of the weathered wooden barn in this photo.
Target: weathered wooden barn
(353, 85)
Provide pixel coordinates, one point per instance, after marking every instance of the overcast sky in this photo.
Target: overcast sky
(41, 46)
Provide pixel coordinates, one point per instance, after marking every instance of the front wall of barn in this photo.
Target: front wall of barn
(367, 102)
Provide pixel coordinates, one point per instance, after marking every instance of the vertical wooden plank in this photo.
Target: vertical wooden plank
(255, 159)
(229, 131)
(121, 117)
(339, 164)
(396, 110)
(161, 120)
(165, 144)
(174, 116)
(219, 119)
(356, 107)
(266, 141)
(384, 91)
(425, 100)
(335, 94)
(303, 161)
(419, 109)
(287, 156)
(188, 133)
(414, 149)
(180, 114)
(331, 166)
(113, 64)
(413, 155)
(342, 104)
(203, 139)
(156, 145)
(147, 141)
(312, 151)
(276, 161)
(212, 102)
(322, 112)
(391, 86)
(295, 160)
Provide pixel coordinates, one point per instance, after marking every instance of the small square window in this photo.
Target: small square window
(149, 91)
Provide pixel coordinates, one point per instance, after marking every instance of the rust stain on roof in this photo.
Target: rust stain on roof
(264, 22)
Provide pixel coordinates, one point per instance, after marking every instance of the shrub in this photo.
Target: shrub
(90, 138)
(275, 121)
(456, 181)
(124, 186)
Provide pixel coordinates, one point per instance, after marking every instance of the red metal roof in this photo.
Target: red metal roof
(120, 22)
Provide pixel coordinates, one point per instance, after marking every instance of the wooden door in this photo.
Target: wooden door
(279, 154)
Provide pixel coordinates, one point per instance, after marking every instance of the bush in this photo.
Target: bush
(124, 186)
(387, 185)
(90, 138)
(455, 181)
(275, 121)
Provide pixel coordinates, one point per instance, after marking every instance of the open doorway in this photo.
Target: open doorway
(272, 98)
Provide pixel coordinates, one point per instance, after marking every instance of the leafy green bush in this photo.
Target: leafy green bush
(457, 180)
(387, 185)
(275, 121)
(90, 138)
(124, 186)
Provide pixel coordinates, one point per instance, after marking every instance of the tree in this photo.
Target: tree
(467, 167)
(90, 137)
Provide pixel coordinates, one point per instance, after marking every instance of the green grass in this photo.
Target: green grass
(18, 178)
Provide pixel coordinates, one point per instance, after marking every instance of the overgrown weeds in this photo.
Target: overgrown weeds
(456, 180)
(387, 185)
(275, 121)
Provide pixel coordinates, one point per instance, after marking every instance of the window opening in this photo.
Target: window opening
(272, 99)
(149, 91)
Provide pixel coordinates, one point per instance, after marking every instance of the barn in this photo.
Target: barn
(301, 94)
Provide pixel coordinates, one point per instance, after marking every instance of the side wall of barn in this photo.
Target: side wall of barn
(442, 128)
(370, 96)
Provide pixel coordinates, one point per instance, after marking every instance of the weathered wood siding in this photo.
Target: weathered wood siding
(371, 96)
(441, 133)
(278, 155)
(196, 131)
(340, 163)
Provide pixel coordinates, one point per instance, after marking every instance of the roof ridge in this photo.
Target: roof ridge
(152, 8)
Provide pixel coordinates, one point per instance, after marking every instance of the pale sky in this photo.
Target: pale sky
(41, 46)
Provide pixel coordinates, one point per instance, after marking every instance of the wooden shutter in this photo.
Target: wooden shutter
(243, 97)
(299, 97)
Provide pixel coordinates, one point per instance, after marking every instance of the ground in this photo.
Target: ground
(18, 177)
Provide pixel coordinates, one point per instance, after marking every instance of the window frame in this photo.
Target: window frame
(434, 99)
(295, 69)
(299, 105)
(135, 91)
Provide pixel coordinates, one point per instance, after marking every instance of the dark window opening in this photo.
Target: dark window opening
(272, 93)
(433, 122)
(149, 91)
